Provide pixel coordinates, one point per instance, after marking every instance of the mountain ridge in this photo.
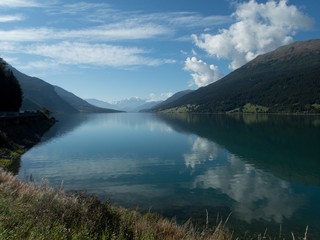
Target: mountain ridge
(286, 80)
(39, 94)
(132, 104)
(80, 104)
(169, 100)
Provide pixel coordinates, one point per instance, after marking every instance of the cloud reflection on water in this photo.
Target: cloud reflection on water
(257, 194)
(202, 150)
(179, 167)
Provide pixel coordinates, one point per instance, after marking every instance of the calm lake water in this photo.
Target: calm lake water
(263, 169)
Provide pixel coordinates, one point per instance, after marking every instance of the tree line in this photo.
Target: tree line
(11, 95)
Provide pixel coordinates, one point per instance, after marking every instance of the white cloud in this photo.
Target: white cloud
(19, 3)
(11, 18)
(93, 54)
(99, 27)
(259, 28)
(193, 20)
(62, 45)
(8, 47)
(78, 8)
(159, 97)
(45, 64)
(203, 74)
(111, 32)
(25, 35)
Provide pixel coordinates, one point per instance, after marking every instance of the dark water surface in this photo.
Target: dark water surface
(263, 169)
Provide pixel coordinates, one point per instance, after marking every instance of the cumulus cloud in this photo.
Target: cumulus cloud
(202, 73)
(259, 28)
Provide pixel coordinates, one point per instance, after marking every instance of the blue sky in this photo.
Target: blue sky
(116, 49)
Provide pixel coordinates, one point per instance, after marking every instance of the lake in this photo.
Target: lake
(263, 169)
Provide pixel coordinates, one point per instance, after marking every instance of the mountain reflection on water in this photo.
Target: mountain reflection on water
(264, 169)
(287, 146)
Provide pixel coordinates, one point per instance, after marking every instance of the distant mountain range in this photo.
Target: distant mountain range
(133, 104)
(286, 80)
(39, 94)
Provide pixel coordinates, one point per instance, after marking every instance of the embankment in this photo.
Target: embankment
(31, 212)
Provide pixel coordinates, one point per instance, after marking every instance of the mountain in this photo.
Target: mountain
(146, 106)
(78, 103)
(129, 104)
(171, 99)
(133, 104)
(286, 80)
(99, 103)
(39, 94)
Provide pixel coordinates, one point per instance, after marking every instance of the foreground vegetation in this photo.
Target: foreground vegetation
(30, 212)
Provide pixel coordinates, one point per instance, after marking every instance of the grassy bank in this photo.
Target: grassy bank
(30, 212)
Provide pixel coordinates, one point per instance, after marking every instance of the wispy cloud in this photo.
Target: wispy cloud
(93, 54)
(11, 18)
(20, 3)
(100, 12)
(103, 36)
(79, 7)
(194, 20)
(26, 35)
(112, 32)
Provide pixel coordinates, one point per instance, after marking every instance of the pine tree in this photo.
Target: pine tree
(10, 90)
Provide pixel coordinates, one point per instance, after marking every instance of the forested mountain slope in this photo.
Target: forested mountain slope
(38, 94)
(286, 80)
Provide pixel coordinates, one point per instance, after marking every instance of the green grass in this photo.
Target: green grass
(30, 212)
(35, 212)
(252, 108)
(4, 163)
(183, 109)
(316, 106)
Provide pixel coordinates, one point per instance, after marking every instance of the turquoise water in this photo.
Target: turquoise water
(264, 170)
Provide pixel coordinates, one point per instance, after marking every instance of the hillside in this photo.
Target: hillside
(39, 94)
(171, 99)
(133, 104)
(78, 103)
(286, 80)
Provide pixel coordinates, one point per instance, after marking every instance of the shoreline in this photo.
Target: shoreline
(19, 133)
(120, 210)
